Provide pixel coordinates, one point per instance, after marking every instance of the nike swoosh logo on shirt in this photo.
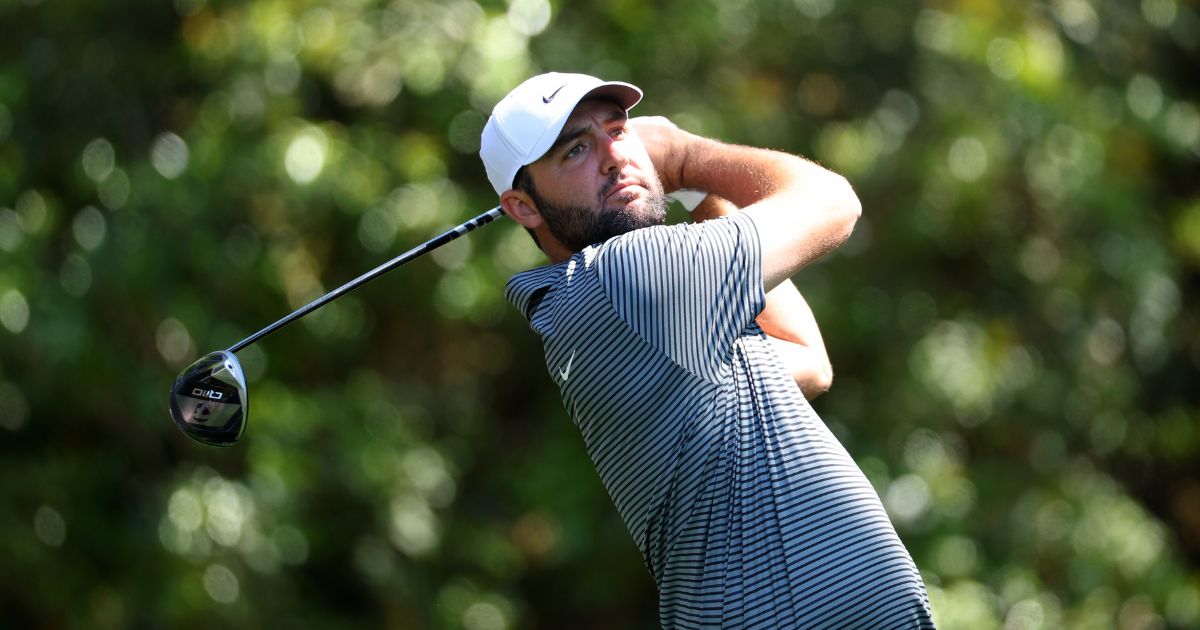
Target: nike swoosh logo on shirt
(547, 99)
(565, 373)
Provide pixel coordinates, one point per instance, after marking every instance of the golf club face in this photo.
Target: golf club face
(208, 400)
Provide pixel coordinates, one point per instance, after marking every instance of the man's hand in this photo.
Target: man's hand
(666, 145)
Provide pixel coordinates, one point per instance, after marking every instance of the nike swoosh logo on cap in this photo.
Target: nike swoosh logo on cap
(547, 99)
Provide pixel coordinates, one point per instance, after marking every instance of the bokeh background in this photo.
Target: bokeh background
(1013, 325)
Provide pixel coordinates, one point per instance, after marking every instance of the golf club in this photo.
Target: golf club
(208, 399)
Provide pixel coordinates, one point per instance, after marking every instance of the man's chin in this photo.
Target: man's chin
(642, 208)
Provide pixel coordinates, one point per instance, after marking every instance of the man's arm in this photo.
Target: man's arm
(787, 320)
(802, 210)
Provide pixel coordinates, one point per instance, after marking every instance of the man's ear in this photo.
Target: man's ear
(520, 207)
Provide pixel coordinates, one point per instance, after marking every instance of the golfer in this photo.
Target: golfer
(686, 357)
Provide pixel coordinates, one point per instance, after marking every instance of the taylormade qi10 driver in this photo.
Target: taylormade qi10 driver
(208, 399)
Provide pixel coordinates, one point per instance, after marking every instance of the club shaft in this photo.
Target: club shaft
(416, 252)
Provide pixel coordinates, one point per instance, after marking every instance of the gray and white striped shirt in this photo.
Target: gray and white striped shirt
(747, 510)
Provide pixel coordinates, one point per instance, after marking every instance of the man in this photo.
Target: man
(685, 355)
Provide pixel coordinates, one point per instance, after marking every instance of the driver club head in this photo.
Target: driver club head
(208, 399)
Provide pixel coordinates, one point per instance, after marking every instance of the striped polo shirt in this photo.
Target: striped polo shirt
(748, 512)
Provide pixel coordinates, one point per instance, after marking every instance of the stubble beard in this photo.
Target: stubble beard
(578, 226)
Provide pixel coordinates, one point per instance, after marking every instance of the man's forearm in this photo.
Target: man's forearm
(789, 321)
(741, 174)
(802, 209)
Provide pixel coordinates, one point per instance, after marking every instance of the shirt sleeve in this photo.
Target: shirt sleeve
(689, 290)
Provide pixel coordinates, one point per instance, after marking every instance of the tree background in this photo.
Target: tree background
(1013, 324)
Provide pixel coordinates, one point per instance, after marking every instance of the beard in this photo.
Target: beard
(578, 226)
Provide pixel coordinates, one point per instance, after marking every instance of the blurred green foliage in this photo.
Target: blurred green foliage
(1013, 324)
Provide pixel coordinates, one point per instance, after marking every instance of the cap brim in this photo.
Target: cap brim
(622, 94)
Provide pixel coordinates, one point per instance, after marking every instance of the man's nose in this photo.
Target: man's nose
(615, 157)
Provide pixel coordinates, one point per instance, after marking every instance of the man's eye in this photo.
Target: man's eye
(573, 151)
(618, 132)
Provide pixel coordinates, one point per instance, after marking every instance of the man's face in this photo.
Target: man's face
(597, 180)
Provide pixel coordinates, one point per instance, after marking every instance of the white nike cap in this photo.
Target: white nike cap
(528, 120)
